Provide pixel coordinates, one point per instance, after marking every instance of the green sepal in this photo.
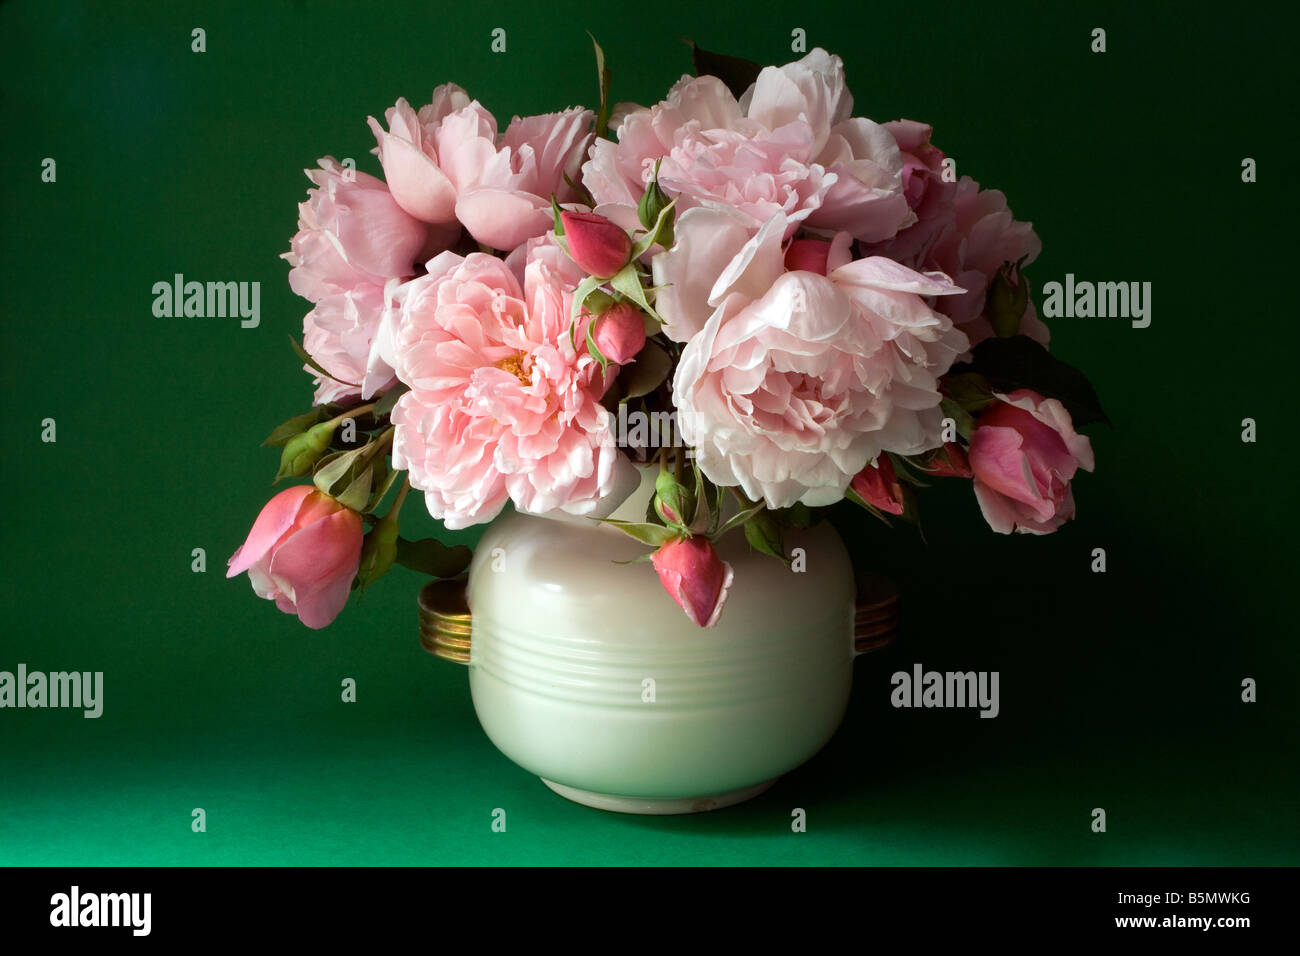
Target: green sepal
(962, 418)
(673, 498)
(628, 282)
(378, 551)
(1008, 297)
(739, 518)
(587, 286)
(661, 233)
(654, 535)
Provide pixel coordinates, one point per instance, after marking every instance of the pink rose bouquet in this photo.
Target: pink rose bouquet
(830, 315)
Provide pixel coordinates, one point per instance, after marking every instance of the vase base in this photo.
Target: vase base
(657, 805)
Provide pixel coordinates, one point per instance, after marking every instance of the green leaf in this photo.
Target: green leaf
(763, 535)
(645, 532)
(737, 73)
(963, 419)
(316, 366)
(388, 400)
(432, 557)
(970, 390)
(1020, 362)
(798, 515)
(647, 372)
(293, 426)
(602, 77)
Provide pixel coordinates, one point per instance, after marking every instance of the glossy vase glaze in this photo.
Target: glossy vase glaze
(585, 672)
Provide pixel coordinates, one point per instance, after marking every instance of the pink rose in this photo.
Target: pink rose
(598, 246)
(502, 406)
(620, 333)
(794, 381)
(696, 578)
(788, 146)
(878, 486)
(1024, 452)
(980, 237)
(929, 196)
(448, 161)
(303, 553)
(350, 233)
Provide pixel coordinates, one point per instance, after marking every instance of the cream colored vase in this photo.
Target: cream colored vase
(585, 672)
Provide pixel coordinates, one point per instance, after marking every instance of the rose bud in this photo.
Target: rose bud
(807, 255)
(950, 461)
(1023, 453)
(598, 246)
(878, 486)
(695, 577)
(620, 333)
(303, 553)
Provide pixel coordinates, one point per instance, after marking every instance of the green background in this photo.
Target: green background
(1119, 690)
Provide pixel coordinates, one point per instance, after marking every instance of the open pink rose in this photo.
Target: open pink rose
(448, 162)
(502, 405)
(696, 578)
(1024, 452)
(302, 553)
(979, 236)
(788, 146)
(791, 382)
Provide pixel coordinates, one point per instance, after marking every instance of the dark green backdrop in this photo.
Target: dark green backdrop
(1119, 690)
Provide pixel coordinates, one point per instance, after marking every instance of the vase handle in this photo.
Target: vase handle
(445, 624)
(875, 621)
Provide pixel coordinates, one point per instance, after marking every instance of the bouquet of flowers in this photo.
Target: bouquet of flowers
(772, 302)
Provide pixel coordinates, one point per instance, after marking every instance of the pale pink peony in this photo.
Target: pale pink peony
(696, 578)
(794, 381)
(1024, 452)
(352, 238)
(788, 146)
(502, 406)
(448, 163)
(302, 553)
(350, 233)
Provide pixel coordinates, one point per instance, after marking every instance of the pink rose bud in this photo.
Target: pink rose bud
(302, 553)
(950, 461)
(1024, 452)
(620, 333)
(598, 246)
(695, 577)
(807, 255)
(878, 486)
